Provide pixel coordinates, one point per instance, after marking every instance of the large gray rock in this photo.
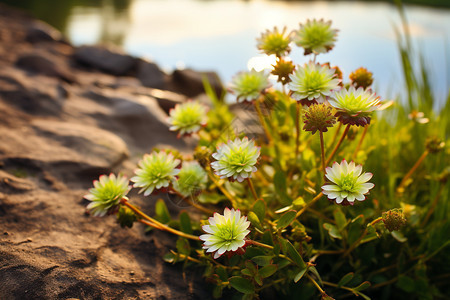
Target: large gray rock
(151, 75)
(190, 82)
(64, 149)
(39, 31)
(45, 64)
(107, 59)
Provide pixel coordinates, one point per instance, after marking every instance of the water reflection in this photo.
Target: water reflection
(109, 19)
(220, 35)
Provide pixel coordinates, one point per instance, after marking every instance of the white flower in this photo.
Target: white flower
(354, 106)
(225, 233)
(313, 82)
(188, 117)
(348, 183)
(236, 159)
(156, 170)
(315, 36)
(107, 193)
(249, 85)
(191, 179)
(274, 42)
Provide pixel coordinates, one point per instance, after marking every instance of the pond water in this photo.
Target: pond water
(220, 35)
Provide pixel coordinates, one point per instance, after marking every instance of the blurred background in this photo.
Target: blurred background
(220, 35)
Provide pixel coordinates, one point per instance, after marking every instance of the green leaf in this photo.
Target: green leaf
(332, 231)
(372, 235)
(344, 280)
(399, 236)
(279, 181)
(161, 212)
(222, 273)
(243, 285)
(247, 272)
(250, 266)
(354, 232)
(315, 272)
(253, 218)
(286, 219)
(362, 286)
(339, 217)
(258, 279)
(183, 246)
(259, 208)
(217, 291)
(185, 223)
(262, 260)
(299, 202)
(170, 258)
(405, 283)
(267, 271)
(300, 275)
(294, 255)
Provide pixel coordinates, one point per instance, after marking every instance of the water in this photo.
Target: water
(220, 35)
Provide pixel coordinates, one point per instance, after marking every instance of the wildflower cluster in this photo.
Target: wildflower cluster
(273, 184)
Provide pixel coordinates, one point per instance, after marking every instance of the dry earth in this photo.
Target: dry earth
(67, 115)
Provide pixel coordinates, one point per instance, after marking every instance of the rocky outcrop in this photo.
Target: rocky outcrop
(69, 115)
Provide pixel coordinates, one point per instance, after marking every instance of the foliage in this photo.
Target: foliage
(300, 243)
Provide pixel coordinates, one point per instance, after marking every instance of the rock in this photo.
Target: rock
(44, 64)
(107, 59)
(151, 75)
(139, 118)
(15, 184)
(39, 31)
(66, 150)
(36, 95)
(190, 83)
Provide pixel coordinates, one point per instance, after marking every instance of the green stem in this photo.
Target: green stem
(338, 144)
(337, 286)
(152, 222)
(356, 243)
(223, 190)
(322, 292)
(190, 202)
(433, 205)
(252, 242)
(297, 128)
(252, 188)
(400, 187)
(322, 148)
(263, 122)
(336, 133)
(309, 204)
(360, 142)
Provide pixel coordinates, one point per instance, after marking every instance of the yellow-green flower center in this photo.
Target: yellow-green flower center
(348, 182)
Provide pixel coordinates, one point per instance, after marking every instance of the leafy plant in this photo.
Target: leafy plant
(298, 218)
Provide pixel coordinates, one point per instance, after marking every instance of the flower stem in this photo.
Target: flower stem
(338, 144)
(190, 202)
(316, 284)
(336, 133)
(152, 222)
(401, 186)
(322, 149)
(356, 243)
(262, 121)
(297, 127)
(252, 188)
(252, 242)
(433, 205)
(360, 142)
(309, 204)
(223, 190)
(337, 286)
